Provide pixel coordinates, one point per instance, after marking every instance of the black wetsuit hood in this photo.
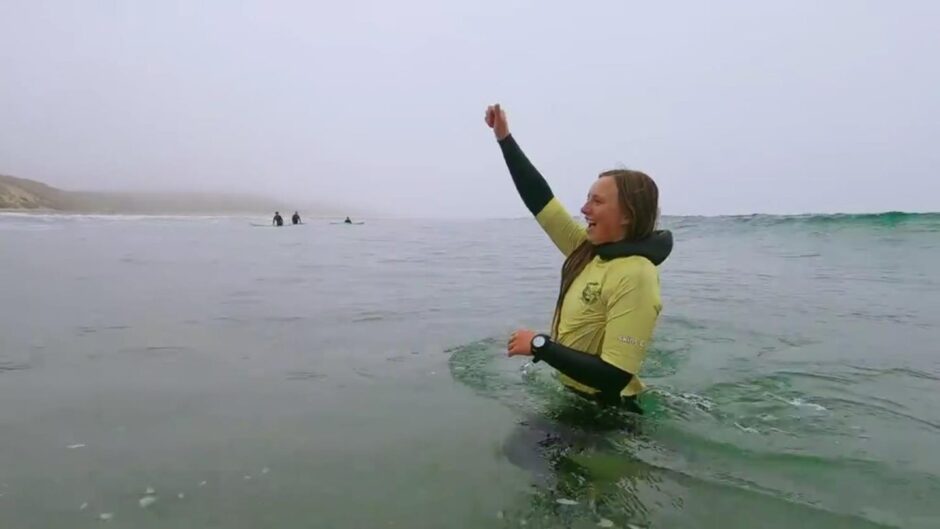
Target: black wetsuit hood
(656, 248)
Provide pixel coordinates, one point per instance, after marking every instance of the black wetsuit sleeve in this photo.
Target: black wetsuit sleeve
(530, 184)
(587, 369)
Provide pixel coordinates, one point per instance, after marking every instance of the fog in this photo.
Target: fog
(732, 107)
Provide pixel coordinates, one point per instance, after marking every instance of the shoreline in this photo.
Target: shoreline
(59, 213)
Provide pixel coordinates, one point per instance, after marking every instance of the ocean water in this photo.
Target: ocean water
(203, 372)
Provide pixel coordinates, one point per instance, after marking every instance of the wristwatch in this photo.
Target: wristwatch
(538, 342)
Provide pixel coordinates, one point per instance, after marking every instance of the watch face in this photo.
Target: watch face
(539, 341)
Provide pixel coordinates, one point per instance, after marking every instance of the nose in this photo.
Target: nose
(584, 208)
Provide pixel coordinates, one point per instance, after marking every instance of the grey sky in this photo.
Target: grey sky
(733, 107)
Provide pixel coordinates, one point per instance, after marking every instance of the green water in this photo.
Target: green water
(201, 372)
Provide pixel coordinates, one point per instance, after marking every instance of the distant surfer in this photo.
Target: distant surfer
(347, 221)
(609, 299)
(295, 219)
(278, 221)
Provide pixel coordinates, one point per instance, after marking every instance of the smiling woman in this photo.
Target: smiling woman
(609, 299)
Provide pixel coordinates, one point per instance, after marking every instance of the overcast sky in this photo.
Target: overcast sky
(733, 107)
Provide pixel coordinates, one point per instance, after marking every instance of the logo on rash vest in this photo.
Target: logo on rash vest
(632, 340)
(591, 292)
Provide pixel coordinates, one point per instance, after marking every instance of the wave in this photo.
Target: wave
(718, 443)
(886, 219)
(13, 366)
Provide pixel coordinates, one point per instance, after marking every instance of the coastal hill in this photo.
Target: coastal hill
(22, 194)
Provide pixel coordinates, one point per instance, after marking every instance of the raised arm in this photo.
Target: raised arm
(534, 190)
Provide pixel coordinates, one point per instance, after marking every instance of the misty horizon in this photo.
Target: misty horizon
(733, 108)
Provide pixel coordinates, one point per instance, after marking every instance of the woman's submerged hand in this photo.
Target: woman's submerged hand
(520, 343)
(496, 120)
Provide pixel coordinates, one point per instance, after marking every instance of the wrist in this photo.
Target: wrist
(538, 344)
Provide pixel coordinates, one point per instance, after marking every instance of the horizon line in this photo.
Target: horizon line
(42, 211)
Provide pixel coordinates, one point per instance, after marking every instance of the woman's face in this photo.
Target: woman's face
(602, 211)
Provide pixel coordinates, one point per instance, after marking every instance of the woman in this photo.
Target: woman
(609, 299)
